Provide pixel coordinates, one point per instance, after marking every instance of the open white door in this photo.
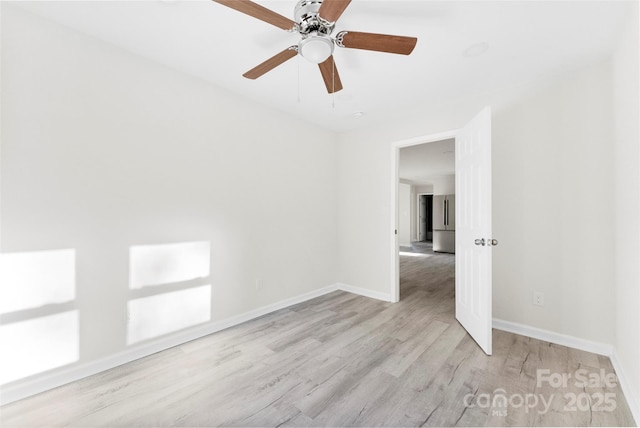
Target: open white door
(473, 229)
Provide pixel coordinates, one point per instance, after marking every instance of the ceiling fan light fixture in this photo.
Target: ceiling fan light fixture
(315, 21)
(315, 48)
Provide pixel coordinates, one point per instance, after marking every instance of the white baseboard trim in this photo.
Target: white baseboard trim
(40, 383)
(364, 292)
(585, 345)
(553, 337)
(633, 399)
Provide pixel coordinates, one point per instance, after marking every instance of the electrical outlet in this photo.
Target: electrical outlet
(538, 298)
(259, 284)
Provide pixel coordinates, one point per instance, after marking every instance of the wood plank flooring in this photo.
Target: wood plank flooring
(342, 360)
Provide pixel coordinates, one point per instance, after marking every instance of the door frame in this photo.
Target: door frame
(393, 242)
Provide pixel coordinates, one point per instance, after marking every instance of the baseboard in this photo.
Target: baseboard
(40, 383)
(633, 399)
(585, 345)
(364, 292)
(553, 337)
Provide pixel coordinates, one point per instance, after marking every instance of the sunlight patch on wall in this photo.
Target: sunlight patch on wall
(160, 314)
(168, 263)
(37, 345)
(33, 279)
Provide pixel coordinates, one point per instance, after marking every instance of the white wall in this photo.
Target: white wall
(550, 139)
(405, 205)
(427, 188)
(103, 150)
(627, 205)
(553, 177)
(445, 185)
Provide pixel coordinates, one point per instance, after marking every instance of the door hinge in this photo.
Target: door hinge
(396, 231)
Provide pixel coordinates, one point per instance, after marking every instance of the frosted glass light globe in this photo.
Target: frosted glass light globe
(316, 49)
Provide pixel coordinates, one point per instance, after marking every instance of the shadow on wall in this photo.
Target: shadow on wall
(169, 290)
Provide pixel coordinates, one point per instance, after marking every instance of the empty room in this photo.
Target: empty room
(214, 213)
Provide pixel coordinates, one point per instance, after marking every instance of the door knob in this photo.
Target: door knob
(480, 241)
(492, 242)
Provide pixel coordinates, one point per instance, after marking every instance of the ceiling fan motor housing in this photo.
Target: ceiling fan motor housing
(309, 21)
(316, 45)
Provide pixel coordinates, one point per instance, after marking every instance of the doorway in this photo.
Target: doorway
(426, 175)
(425, 217)
(472, 220)
(396, 200)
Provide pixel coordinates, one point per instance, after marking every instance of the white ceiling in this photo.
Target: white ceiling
(423, 163)
(526, 39)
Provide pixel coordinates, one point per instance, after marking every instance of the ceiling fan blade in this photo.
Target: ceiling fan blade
(330, 75)
(262, 13)
(376, 42)
(272, 63)
(331, 10)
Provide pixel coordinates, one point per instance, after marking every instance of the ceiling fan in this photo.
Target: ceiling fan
(315, 21)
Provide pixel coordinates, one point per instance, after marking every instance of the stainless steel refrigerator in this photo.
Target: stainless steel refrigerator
(444, 223)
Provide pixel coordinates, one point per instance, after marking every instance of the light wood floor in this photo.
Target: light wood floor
(339, 360)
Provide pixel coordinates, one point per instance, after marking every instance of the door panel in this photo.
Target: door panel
(473, 221)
